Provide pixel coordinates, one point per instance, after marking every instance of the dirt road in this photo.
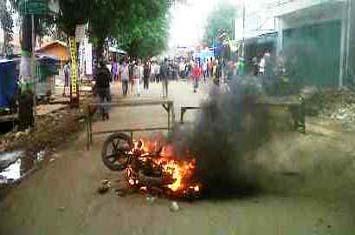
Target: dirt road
(61, 197)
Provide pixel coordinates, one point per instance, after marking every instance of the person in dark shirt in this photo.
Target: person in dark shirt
(146, 74)
(164, 72)
(103, 79)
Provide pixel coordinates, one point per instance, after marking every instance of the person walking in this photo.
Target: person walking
(196, 74)
(182, 69)
(210, 68)
(137, 77)
(114, 70)
(262, 66)
(131, 74)
(66, 77)
(214, 72)
(157, 72)
(125, 78)
(164, 70)
(146, 74)
(103, 79)
(255, 65)
(204, 70)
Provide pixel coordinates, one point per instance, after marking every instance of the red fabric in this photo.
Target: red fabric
(196, 72)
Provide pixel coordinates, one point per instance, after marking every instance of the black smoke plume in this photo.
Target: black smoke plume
(232, 125)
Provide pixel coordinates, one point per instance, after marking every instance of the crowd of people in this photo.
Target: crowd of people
(133, 72)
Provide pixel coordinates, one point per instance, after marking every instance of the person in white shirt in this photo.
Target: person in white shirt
(262, 66)
(124, 77)
(157, 72)
(137, 77)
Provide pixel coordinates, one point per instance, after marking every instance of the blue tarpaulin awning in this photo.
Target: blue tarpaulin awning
(8, 81)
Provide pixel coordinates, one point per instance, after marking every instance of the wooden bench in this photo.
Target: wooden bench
(186, 108)
(294, 104)
(168, 106)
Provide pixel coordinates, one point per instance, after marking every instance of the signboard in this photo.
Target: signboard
(33, 7)
(74, 68)
(80, 32)
(88, 58)
(81, 58)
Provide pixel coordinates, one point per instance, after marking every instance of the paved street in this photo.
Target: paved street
(61, 197)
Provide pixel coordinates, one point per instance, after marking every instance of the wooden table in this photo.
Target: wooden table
(168, 106)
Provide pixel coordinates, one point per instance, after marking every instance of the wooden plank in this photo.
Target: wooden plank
(130, 130)
(8, 118)
(190, 107)
(279, 101)
(130, 103)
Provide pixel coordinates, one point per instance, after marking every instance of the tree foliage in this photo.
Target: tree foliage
(74, 12)
(144, 32)
(141, 26)
(7, 25)
(103, 21)
(220, 20)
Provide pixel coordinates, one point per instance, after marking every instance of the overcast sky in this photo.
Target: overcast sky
(188, 21)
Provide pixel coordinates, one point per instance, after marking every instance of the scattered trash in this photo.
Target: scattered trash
(336, 105)
(51, 160)
(27, 131)
(40, 155)
(120, 192)
(12, 173)
(19, 134)
(104, 186)
(9, 157)
(174, 206)
(150, 199)
(62, 208)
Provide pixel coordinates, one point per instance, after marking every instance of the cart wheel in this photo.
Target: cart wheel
(114, 151)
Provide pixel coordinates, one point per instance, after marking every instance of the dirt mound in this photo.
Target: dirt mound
(333, 104)
(51, 130)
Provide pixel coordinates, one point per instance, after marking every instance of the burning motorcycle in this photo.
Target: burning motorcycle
(151, 167)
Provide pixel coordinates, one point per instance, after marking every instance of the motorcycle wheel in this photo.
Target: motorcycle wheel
(114, 151)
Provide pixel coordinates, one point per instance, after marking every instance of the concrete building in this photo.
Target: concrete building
(316, 34)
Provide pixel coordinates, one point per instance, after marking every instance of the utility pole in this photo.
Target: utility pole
(33, 67)
(29, 9)
(243, 40)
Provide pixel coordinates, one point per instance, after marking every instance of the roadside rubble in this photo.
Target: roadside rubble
(174, 206)
(150, 199)
(120, 192)
(336, 105)
(24, 151)
(104, 187)
(51, 130)
(8, 158)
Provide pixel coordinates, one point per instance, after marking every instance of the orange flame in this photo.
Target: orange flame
(181, 171)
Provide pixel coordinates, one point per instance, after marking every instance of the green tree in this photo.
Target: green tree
(143, 33)
(109, 18)
(74, 12)
(7, 25)
(221, 20)
(102, 22)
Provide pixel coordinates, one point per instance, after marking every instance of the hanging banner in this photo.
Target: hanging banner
(81, 58)
(80, 32)
(88, 57)
(74, 68)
